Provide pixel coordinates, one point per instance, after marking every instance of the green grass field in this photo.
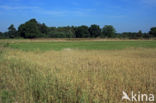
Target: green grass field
(87, 45)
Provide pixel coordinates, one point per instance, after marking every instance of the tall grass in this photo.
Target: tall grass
(75, 76)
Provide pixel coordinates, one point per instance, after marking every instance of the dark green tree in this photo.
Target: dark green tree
(12, 31)
(130, 35)
(139, 34)
(108, 31)
(51, 32)
(95, 30)
(61, 32)
(30, 29)
(1, 35)
(153, 32)
(66, 31)
(43, 28)
(82, 32)
(73, 29)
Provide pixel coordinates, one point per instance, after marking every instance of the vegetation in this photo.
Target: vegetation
(82, 32)
(83, 45)
(12, 31)
(30, 29)
(75, 76)
(94, 31)
(108, 31)
(33, 29)
(153, 32)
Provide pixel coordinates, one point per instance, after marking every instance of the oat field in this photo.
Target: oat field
(75, 71)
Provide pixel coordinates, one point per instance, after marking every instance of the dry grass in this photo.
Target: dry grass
(69, 40)
(76, 76)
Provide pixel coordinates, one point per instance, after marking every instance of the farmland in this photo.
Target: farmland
(75, 71)
(43, 45)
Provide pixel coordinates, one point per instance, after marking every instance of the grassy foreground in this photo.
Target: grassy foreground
(75, 76)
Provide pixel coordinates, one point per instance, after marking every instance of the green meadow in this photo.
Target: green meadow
(83, 45)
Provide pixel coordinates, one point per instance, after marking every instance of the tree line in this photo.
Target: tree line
(34, 29)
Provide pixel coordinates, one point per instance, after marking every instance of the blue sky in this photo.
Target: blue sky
(124, 15)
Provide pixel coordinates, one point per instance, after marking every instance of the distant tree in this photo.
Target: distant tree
(51, 32)
(43, 28)
(82, 32)
(1, 35)
(146, 35)
(30, 29)
(12, 31)
(124, 35)
(153, 32)
(95, 30)
(57, 34)
(33, 29)
(131, 35)
(67, 31)
(61, 32)
(73, 29)
(119, 35)
(108, 31)
(139, 34)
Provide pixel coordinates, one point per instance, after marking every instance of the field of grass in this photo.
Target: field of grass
(75, 71)
(83, 45)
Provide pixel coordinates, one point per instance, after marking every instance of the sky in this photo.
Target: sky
(124, 15)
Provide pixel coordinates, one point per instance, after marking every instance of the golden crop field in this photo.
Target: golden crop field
(75, 76)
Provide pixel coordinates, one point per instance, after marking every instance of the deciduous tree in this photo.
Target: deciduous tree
(108, 31)
(12, 31)
(82, 32)
(153, 31)
(95, 30)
